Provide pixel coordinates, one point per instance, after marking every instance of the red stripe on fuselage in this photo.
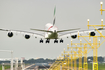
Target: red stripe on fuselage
(49, 28)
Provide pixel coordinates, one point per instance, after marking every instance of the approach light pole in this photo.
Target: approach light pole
(11, 56)
(101, 8)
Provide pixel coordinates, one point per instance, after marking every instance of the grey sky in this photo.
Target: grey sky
(26, 14)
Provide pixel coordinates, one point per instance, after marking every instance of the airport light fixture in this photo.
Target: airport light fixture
(88, 23)
(101, 8)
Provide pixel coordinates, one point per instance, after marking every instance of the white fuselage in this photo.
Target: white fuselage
(52, 28)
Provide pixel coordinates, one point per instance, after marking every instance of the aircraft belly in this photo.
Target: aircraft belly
(53, 36)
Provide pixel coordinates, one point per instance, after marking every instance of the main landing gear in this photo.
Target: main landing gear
(41, 41)
(61, 41)
(56, 41)
(48, 41)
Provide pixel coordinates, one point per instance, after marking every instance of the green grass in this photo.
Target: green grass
(89, 66)
(100, 66)
(6, 67)
(0, 67)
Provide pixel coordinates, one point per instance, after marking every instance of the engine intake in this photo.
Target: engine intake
(10, 34)
(74, 36)
(27, 36)
(92, 34)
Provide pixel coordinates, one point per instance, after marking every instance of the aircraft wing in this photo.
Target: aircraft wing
(24, 32)
(67, 30)
(80, 32)
(41, 30)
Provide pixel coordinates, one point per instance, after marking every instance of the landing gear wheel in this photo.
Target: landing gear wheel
(61, 41)
(47, 41)
(55, 41)
(41, 41)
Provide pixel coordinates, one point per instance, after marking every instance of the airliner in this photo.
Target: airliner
(51, 32)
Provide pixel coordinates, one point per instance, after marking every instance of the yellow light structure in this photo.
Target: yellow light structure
(54, 67)
(61, 62)
(86, 50)
(71, 60)
(73, 56)
(56, 64)
(95, 59)
(80, 53)
(85, 66)
(68, 60)
(75, 61)
(95, 44)
(70, 55)
(101, 8)
(95, 47)
(95, 25)
(80, 58)
(64, 66)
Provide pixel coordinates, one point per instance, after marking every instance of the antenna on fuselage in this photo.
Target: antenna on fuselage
(54, 16)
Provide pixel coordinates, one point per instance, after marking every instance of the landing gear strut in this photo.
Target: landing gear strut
(61, 41)
(48, 41)
(55, 41)
(41, 41)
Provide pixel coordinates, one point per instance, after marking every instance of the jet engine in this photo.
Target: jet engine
(10, 34)
(74, 36)
(92, 33)
(27, 36)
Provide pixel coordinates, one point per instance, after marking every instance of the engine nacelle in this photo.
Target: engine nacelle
(74, 36)
(27, 36)
(92, 34)
(10, 34)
